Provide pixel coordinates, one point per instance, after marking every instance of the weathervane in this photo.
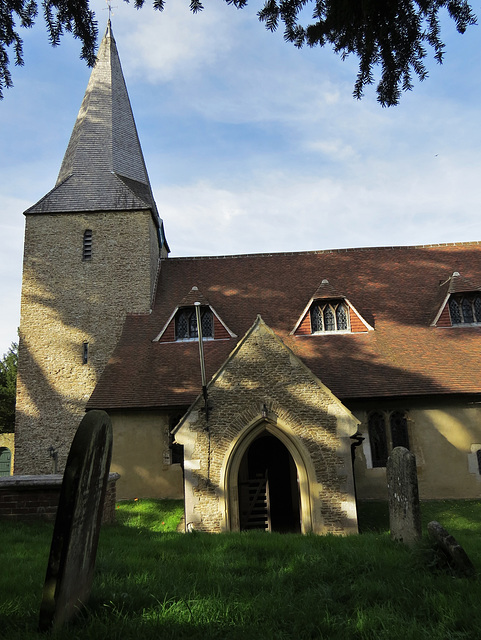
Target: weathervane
(109, 7)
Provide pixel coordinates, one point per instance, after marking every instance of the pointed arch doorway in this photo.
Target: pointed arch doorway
(268, 487)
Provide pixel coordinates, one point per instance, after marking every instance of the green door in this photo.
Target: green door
(5, 461)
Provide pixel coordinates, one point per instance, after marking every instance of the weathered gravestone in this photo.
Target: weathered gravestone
(77, 526)
(403, 495)
(452, 552)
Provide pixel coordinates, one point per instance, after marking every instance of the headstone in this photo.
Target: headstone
(402, 483)
(453, 553)
(77, 525)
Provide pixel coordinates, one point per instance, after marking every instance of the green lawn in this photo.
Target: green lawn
(152, 582)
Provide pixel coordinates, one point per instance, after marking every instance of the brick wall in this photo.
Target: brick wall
(36, 497)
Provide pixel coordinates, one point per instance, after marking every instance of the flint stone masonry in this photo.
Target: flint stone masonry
(65, 302)
(263, 383)
(403, 496)
(36, 497)
(75, 537)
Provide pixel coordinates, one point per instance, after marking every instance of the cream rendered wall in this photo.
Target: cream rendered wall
(140, 454)
(444, 437)
(65, 302)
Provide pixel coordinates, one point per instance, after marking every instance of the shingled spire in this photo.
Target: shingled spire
(103, 168)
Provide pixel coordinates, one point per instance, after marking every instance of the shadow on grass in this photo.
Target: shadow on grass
(155, 584)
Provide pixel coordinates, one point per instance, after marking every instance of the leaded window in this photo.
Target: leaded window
(328, 316)
(377, 438)
(465, 309)
(399, 429)
(316, 319)
(186, 323)
(387, 429)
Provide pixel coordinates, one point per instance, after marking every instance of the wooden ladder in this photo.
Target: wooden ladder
(256, 515)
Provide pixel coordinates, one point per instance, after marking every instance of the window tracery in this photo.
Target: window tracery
(465, 308)
(186, 323)
(328, 316)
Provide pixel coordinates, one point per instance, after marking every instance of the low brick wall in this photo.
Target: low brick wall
(31, 497)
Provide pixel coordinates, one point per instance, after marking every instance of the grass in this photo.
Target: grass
(152, 582)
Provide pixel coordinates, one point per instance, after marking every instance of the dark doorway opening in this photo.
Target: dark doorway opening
(268, 487)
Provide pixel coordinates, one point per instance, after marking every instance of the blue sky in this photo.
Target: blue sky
(252, 145)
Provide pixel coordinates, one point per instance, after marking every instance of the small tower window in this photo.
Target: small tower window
(85, 353)
(87, 245)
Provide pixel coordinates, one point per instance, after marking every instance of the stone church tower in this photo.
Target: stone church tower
(92, 248)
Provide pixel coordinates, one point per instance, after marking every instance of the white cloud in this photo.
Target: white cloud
(252, 145)
(11, 244)
(163, 46)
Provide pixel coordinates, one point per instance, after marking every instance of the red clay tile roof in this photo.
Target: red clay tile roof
(396, 290)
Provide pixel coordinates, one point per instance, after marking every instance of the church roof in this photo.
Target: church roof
(103, 168)
(396, 290)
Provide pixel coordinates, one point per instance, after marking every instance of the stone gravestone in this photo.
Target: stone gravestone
(77, 525)
(402, 483)
(453, 553)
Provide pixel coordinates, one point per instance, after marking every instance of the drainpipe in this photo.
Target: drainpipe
(357, 440)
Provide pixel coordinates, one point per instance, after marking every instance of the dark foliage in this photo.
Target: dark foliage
(8, 384)
(391, 34)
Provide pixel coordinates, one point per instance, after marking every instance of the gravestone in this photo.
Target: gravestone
(77, 526)
(453, 553)
(402, 483)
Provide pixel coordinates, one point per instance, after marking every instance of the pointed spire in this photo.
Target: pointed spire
(103, 168)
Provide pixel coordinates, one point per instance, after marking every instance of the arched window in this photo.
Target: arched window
(186, 323)
(87, 245)
(399, 429)
(377, 439)
(328, 316)
(465, 308)
(387, 429)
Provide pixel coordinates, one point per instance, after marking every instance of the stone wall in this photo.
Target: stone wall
(263, 386)
(66, 302)
(36, 497)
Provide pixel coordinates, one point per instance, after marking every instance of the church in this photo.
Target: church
(265, 390)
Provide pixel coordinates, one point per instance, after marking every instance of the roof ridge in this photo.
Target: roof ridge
(325, 251)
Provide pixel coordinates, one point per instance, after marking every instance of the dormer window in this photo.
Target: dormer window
(465, 308)
(329, 315)
(186, 323)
